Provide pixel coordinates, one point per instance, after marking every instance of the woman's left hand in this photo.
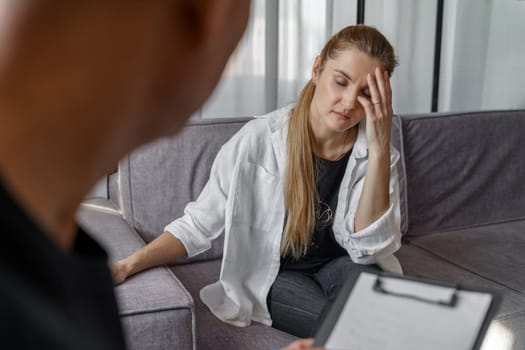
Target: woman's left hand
(378, 113)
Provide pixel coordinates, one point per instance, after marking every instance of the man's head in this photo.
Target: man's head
(84, 82)
(153, 61)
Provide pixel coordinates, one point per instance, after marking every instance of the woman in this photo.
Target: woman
(302, 195)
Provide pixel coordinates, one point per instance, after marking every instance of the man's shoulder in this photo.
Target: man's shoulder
(40, 316)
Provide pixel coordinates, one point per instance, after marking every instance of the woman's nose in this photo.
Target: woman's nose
(349, 101)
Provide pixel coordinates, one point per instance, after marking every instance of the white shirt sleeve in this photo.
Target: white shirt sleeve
(203, 219)
(382, 237)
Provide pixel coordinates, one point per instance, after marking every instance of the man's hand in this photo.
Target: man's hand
(303, 344)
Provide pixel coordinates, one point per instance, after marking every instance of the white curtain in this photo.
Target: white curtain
(481, 60)
(482, 57)
(273, 60)
(275, 56)
(409, 25)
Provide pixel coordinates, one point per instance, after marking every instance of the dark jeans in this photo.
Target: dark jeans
(297, 301)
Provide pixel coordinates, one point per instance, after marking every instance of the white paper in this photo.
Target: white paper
(371, 320)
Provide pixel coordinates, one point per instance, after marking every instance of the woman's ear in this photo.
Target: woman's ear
(316, 69)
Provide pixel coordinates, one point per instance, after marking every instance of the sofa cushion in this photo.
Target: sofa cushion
(495, 252)
(157, 180)
(166, 330)
(417, 261)
(153, 304)
(506, 330)
(212, 333)
(463, 169)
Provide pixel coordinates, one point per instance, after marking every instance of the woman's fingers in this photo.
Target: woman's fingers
(383, 91)
(367, 106)
(388, 88)
(381, 86)
(379, 105)
(381, 82)
(388, 91)
(376, 98)
(378, 111)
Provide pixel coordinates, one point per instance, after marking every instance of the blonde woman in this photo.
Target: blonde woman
(302, 195)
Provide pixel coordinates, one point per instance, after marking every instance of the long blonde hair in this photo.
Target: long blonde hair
(300, 183)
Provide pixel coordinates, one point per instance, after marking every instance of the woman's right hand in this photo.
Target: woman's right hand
(164, 249)
(119, 271)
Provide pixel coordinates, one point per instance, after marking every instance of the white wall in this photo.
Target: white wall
(483, 55)
(504, 84)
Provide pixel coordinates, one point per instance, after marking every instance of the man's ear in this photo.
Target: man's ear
(316, 69)
(208, 19)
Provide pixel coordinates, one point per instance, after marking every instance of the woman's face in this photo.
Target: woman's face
(334, 106)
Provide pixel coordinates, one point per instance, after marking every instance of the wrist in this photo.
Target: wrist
(129, 265)
(379, 155)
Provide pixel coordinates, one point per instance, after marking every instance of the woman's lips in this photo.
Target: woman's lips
(342, 115)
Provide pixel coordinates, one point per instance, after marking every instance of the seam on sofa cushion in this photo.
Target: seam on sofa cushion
(120, 185)
(517, 314)
(129, 203)
(464, 268)
(456, 228)
(404, 226)
(190, 306)
(130, 193)
(100, 208)
(192, 313)
(173, 276)
(156, 310)
(461, 114)
(175, 279)
(180, 285)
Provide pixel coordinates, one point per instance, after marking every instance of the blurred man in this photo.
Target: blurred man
(82, 83)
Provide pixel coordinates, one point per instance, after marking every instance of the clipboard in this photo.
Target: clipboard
(380, 310)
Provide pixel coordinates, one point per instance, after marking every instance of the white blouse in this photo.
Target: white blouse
(244, 199)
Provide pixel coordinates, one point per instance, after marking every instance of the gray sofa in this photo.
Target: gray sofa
(463, 218)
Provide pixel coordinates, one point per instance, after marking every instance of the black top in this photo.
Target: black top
(49, 299)
(323, 247)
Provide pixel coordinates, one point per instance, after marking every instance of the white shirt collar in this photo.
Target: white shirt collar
(278, 120)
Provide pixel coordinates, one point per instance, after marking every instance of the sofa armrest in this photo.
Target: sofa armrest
(157, 312)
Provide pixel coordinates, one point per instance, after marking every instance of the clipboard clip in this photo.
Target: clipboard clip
(380, 288)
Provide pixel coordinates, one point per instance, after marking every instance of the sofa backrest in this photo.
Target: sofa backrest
(457, 170)
(463, 169)
(155, 182)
